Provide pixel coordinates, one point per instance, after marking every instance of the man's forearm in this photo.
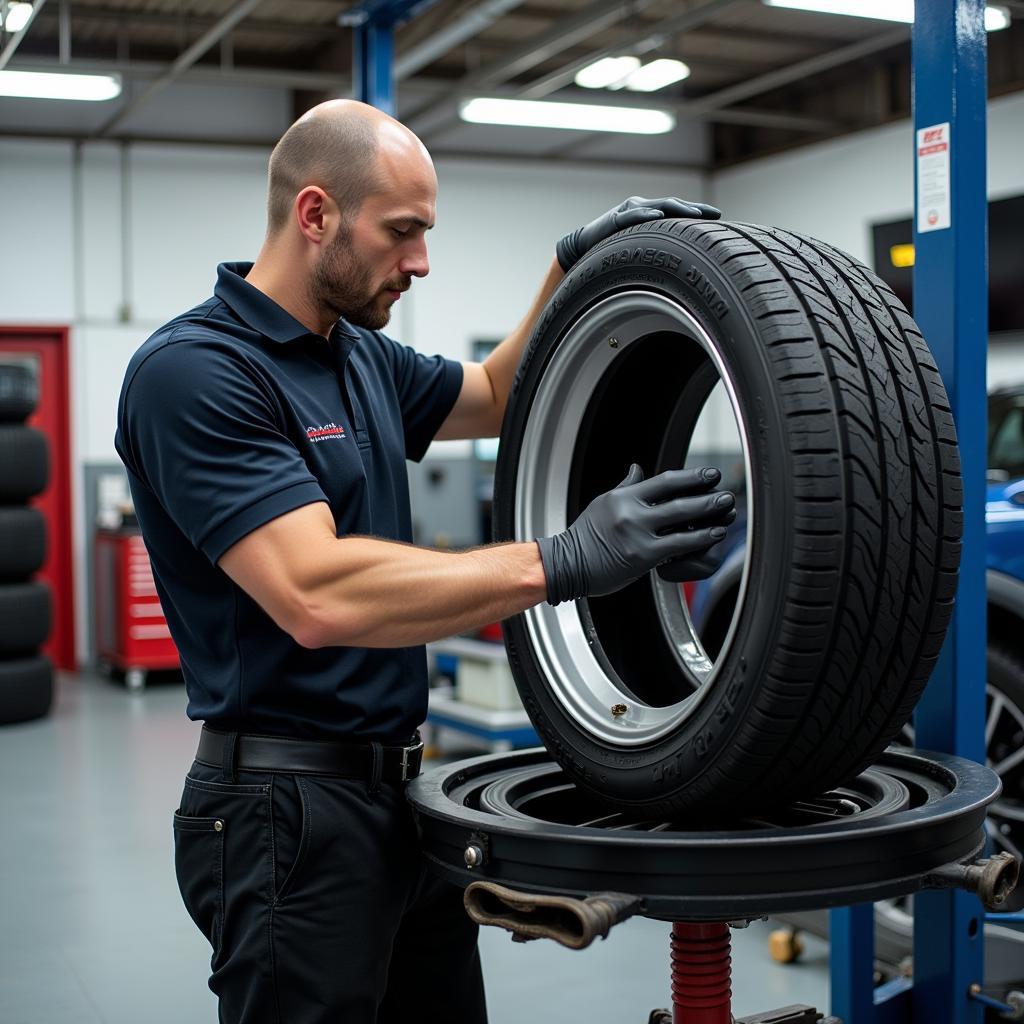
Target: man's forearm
(502, 363)
(383, 594)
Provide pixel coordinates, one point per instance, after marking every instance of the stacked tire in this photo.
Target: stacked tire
(26, 676)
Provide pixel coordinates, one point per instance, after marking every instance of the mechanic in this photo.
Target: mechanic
(265, 434)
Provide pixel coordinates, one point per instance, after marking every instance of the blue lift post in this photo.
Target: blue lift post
(373, 26)
(951, 307)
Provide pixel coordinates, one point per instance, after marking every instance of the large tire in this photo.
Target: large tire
(22, 543)
(26, 689)
(25, 617)
(19, 392)
(853, 495)
(24, 463)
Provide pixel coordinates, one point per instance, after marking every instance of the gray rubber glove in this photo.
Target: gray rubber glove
(629, 530)
(634, 210)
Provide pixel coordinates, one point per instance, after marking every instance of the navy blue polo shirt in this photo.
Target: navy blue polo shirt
(233, 414)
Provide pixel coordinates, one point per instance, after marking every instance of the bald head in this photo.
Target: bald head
(337, 146)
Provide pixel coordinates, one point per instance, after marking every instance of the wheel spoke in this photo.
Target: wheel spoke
(1008, 763)
(998, 703)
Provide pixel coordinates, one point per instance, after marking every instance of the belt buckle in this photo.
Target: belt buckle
(412, 760)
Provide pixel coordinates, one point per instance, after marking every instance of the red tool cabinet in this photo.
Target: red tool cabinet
(131, 631)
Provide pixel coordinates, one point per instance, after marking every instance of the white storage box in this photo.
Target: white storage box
(486, 683)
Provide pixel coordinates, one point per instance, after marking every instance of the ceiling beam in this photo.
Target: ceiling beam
(446, 112)
(562, 76)
(192, 22)
(15, 40)
(209, 39)
(795, 72)
(564, 33)
(712, 106)
(439, 43)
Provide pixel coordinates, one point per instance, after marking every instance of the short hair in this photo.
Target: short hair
(338, 153)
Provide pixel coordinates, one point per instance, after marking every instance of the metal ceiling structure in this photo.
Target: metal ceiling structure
(763, 79)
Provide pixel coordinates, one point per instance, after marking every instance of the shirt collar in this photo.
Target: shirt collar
(260, 311)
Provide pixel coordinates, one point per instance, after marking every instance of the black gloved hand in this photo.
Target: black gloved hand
(629, 530)
(634, 210)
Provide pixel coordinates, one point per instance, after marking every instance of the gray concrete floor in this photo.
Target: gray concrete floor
(92, 930)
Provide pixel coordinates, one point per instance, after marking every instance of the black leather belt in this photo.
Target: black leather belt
(320, 757)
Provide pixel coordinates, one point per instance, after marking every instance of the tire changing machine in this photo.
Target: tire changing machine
(887, 834)
(542, 859)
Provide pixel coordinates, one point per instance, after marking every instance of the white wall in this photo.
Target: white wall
(836, 190)
(64, 240)
(115, 242)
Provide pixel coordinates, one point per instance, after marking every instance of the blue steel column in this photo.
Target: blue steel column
(951, 306)
(372, 63)
(851, 937)
(373, 28)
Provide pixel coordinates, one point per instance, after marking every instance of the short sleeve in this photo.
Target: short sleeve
(427, 388)
(201, 429)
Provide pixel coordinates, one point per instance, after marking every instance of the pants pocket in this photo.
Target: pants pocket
(292, 828)
(199, 866)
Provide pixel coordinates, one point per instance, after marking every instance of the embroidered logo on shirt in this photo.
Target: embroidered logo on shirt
(324, 433)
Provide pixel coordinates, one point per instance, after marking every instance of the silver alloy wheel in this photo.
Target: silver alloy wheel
(585, 685)
(1006, 815)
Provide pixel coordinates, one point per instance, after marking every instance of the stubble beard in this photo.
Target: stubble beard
(344, 285)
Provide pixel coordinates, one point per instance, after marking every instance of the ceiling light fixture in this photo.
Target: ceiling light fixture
(586, 117)
(606, 72)
(996, 17)
(46, 85)
(17, 16)
(657, 75)
(626, 73)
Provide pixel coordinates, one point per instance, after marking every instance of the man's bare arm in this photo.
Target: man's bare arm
(362, 592)
(480, 407)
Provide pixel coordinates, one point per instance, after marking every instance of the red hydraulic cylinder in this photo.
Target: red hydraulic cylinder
(701, 973)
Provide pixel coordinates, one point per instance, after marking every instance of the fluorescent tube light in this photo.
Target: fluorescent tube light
(996, 18)
(883, 10)
(657, 75)
(585, 117)
(17, 16)
(606, 72)
(47, 85)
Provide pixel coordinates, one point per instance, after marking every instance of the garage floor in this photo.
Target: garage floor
(92, 930)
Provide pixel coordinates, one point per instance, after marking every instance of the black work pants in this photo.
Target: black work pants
(318, 904)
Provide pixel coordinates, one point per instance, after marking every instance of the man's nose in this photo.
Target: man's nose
(415, 261)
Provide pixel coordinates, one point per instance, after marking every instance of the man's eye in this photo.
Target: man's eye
(398, 233)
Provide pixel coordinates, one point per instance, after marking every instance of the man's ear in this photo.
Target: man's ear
(314, 209)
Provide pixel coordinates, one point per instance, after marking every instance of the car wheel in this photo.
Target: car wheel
(850, 472)
(1004, 747)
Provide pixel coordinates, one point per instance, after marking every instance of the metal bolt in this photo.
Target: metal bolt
(473, 856)
(218, 826)
(974, 989)
(614, 342)
(618, 710)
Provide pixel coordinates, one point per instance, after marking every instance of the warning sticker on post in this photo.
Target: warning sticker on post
(933, 177)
